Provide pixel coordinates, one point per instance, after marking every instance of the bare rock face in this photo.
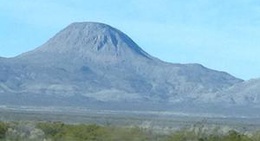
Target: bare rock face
(94, 62)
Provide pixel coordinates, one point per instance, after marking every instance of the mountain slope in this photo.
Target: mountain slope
(95, 62)
(246, 93)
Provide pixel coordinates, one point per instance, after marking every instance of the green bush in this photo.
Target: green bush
(188, 135)
(235, 136)
(3, 129)
(52, 130)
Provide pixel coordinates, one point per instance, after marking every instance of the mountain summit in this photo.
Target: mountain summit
(92, 41)
(86, 64)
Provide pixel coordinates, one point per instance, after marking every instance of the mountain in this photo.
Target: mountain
(95, 42)
(246, 93)
(90, 64)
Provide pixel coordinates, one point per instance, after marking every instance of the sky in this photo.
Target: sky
(219, 34)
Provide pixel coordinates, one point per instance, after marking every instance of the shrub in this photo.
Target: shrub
(236, 136)
(3, 129)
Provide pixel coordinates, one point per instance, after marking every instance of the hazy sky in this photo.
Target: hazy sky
(220, 34)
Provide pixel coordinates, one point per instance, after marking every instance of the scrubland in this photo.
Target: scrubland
(59, 131)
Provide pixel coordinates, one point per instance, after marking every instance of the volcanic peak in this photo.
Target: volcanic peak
(92, 38)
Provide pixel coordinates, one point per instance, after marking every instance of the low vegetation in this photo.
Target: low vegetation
(58, 131)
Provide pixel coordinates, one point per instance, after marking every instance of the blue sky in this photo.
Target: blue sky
(220, 34)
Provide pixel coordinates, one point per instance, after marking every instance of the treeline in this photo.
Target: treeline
(58, 131)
